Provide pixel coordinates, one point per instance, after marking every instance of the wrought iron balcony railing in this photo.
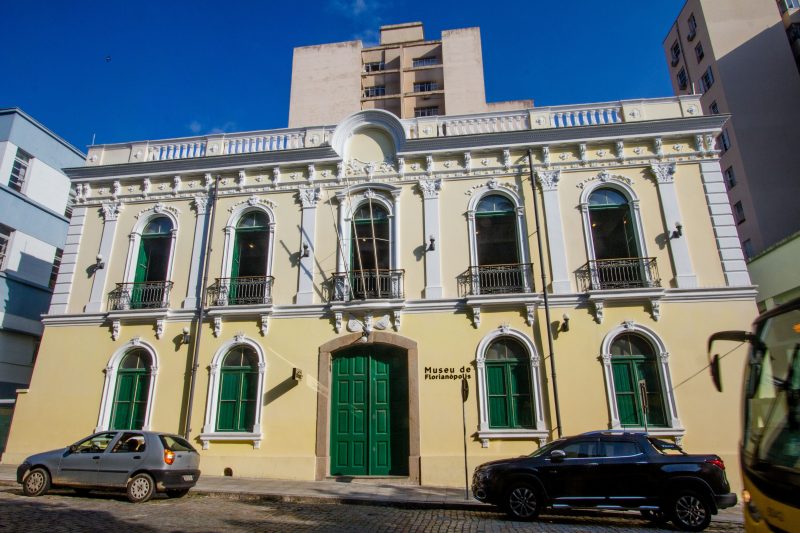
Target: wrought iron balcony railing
(627, 273)
(367, 285)
(248, 290)
(496, 279)
(140, 295)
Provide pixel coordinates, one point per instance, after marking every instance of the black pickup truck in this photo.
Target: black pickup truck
(609, 470)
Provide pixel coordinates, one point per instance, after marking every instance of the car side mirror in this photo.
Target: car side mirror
(557, 455)
(73, 448)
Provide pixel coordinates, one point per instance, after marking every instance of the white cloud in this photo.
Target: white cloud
(351, 8)
(195, 127)
(225, 128)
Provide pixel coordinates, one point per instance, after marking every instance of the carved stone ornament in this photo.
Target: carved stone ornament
(312, 173)
(115, 190)
(276, 174)
(136, 341)
(507, 159)
(655, 309)
(659, 147)
(367, 324)
(159, 208)
(401, 166)
(264, 325)
(252, 201)
(599, 309)
(467, 162)
(176, 185)
(664, 173)
(620, 147)
(159, 328)
(238, 337)
(146, 186)
(241, 180)
(548, 179)
(396, 316)
(628, 324)
(504, 328)
(116, 326)
(582, 152)
(207, 180)
(476, 317)
(604, 176)
(430, 188)
(606, 357)
(698, 143)
(201, 204)
(309, 196)
(530, 314)
(337, 323)
(111, 210)
(217, 326)
(355, 167)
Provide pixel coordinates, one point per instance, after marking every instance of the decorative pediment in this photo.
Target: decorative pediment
(355, 167)
(605, 176)
(159, 208)
(492, 184)
(253, 201)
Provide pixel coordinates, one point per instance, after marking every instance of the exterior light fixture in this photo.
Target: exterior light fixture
(432, 244)
(185, 338)
(297, 374)
(678, 230)
(565, 323)
(305, 252)
(99, 263)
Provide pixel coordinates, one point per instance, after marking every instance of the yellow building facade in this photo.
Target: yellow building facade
(373, 294)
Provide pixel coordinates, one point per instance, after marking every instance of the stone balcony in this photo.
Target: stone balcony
(539, 118)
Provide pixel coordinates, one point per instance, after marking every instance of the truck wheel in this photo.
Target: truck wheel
(690, 511)
(37, 482)
(140, 488)
(523, 502)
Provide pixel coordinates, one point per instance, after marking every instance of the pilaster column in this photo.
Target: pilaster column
(433, 264)
(728, 245)
(685, 277)
(193, 289)
(69, 262)
(305, 284)
(548, 181)
(110, 215)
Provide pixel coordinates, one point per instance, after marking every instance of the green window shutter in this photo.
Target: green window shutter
(520, 397)
(130, 400)
(237, 256)
(647, 370)
(498, 395)
(141, 262)
(625, 390)
(247, 411)
(228, 396)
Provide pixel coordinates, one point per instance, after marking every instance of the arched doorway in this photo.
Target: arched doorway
(368, 407)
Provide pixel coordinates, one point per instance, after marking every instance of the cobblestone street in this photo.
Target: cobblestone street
(64, 511)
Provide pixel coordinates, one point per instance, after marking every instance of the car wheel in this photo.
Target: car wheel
(177, 493)
(37, 482)
(522, 502)
(141, 488)
(690, 511)
(654, 515)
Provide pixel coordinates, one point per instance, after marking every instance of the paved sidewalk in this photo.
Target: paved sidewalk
(353, 491)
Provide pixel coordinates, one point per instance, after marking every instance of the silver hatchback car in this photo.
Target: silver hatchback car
(141, 462)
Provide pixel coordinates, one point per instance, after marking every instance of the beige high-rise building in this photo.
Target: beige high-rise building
(404, 74)
(739, 54)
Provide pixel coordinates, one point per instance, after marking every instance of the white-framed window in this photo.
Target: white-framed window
(377, 90)
(424, 61)
(5, 244)
(509, 387)
(129, 387)
(235, 389)
(426, 111)
(19, 170)
(707, 79)
(374, 66)
(683, 80)
(638, 381)
(426, 86)
(730, 177)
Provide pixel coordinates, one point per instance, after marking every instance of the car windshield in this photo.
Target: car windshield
(176, 444)
(666, 447)
(547, 448)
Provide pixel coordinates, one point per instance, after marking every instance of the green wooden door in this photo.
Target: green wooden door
(369, 413)
(627, 373)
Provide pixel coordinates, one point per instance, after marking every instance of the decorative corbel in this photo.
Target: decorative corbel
(217, 326)
(264, 325)
(484, 443)
(620, 146)
(146, 186)
(176, 185)
(159, 328)
(582, 152)
(655, 308)
(276, 175)
(337, 325)
(659, 147)
(340, 171)
(116, 326)
(396, 315)
(599, 308)
(530, 314)
(546, 155)
(507, 160)
(429, 164)
(241, 180)
(476, 316)
(312, 172)
(467, 162)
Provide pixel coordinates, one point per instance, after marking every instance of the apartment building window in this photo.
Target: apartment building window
(714, 108)
(5, 239)
(730, 177)
(426, 86)
(707, 79)
(19, 170)
(738, 211)
(378, 90)
(56, 267)
(747, 248)
(427, 111)
(785, 5)
(698, 51)
(676, 53)
(374, 66)
(692, 27)
(683, 80)
(424, 61)
(724, 141)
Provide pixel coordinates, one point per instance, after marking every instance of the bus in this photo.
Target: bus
(770, 445)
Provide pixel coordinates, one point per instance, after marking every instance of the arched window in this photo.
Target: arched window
(238, 390)
(250, 260)
(508, 385)
(496, 231)
(150, 287)
(637, 383)
(131, 391)
(613, 232)
(370, 252)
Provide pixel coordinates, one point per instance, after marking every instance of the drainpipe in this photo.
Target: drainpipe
(544, 293)
(201, 309)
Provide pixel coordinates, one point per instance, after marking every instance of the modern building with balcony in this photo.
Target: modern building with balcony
(34, 216)
(405, 74)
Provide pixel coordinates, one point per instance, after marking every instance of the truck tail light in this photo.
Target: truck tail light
(169, 457)
(719, 463)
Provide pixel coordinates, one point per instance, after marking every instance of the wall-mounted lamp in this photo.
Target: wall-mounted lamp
(185, 338)
(678, 230)
(431, 245)
(99, 263)
(297, 374)
(305, 252)
(565, 322)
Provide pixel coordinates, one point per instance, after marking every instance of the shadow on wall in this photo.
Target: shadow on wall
(23, 292)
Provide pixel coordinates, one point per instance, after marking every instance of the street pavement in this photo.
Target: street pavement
(240, 504)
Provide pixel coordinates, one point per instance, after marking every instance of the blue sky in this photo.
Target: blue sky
(181, 68)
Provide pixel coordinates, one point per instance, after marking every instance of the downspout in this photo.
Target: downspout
(544, 294)
(201, 309)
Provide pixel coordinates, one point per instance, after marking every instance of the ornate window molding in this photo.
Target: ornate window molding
(110, 383)
(135, 238)
(485, 433)
(674, 428)
(516, 199)
(237, 212)
(210, 432)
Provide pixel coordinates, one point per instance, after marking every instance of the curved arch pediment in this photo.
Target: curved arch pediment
(375, 125)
